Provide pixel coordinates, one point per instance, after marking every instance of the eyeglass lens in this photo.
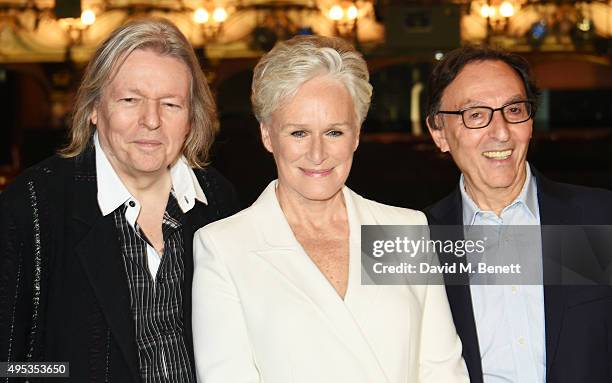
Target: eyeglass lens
(481, 116)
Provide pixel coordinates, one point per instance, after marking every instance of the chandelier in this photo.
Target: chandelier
(69, 30)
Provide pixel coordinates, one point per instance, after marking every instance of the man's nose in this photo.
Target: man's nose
(498, 128)
(150, 115)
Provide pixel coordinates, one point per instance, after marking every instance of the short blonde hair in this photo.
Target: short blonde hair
(164, 38)
(279, 73)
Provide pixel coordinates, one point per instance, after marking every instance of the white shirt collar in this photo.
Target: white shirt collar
(528, 197)
(112, 193)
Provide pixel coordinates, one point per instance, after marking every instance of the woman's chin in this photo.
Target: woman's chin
(321, 195)
(316, 192)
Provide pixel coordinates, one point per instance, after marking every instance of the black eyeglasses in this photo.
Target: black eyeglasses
(479, 117)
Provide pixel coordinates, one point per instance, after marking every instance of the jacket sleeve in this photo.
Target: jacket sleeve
(223, 192)
(220, 338)
(15, 274)
(441, 359)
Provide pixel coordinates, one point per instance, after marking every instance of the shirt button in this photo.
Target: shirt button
(521, 341)
(514, 289)
(132, 204)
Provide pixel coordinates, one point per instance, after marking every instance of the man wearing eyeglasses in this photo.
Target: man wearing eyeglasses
(480, 110)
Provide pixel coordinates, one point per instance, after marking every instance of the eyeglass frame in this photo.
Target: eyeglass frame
(531, 104)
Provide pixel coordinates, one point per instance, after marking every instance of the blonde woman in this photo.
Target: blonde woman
(277, 296)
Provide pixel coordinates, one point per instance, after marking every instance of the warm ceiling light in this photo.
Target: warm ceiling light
(487, 11)
(201, 16)
(484, 11)
(336, 13)
(492, 11)
(584, 25)
(219, 15)
(352, 12)
(506, 9)
(88, 17)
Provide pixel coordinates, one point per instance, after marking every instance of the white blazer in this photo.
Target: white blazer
(263, 312)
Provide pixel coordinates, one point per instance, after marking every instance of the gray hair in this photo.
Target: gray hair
(291, 63)
(164, 38)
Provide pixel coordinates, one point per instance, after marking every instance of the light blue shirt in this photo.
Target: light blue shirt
(509, 319)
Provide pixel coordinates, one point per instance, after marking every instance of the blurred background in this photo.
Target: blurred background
(45, 44)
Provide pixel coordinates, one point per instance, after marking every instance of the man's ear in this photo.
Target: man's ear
(265, 136)
(438, 133)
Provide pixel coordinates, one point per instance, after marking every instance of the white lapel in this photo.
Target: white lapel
(284, 253)
(359, 298)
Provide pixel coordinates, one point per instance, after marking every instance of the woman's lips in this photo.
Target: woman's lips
(316, 172)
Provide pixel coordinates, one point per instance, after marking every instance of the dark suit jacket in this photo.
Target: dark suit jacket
(578, 319)
(63, 289)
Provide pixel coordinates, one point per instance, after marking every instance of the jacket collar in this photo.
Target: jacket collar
(556, 208)
(447, 211)
(553, 205)
(279, 233)
(284, 253)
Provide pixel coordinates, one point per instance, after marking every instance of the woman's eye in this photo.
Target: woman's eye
(298, 133)
(171, 105)
(334, 133)
(128, 100)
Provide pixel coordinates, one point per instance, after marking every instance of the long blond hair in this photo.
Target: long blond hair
(164, 38)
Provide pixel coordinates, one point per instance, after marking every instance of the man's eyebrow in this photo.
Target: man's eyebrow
(139, 93)
(517, 97)
(470, 103)
(134, 90)
(171, 96)
(121, 93)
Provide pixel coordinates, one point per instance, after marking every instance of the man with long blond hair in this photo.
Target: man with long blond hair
(96, 242)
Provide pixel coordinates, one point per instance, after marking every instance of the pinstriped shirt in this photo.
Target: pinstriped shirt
(157, 301)
(155, 282)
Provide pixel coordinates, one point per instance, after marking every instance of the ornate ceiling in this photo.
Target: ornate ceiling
(32, 30)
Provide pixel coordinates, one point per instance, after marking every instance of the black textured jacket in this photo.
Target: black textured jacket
(578, 319)
(63, 289)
